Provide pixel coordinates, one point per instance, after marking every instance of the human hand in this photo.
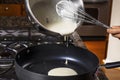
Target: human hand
(115, 31)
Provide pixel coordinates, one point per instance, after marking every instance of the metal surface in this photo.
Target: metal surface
(42, 13)
(75, 14)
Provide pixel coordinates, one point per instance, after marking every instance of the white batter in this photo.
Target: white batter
(62, 71)
(63, 27)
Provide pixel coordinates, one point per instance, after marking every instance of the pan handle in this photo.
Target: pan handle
(112, 65)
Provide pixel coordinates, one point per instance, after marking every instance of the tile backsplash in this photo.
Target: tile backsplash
(11, 1)
(14, 21)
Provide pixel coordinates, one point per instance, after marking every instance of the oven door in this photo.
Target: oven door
(100, 11)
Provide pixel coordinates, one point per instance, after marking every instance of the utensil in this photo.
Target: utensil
(67, 9)
(36, 62)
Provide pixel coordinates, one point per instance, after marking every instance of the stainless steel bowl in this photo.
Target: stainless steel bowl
(43, 14)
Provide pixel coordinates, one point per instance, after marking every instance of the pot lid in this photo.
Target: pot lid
(43, 12)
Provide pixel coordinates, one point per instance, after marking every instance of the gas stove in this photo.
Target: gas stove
(18, 34)
(29, 36)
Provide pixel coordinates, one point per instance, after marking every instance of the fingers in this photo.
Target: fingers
(116, 35)
(115, 31)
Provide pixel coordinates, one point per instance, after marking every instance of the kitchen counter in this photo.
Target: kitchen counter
(112, 74)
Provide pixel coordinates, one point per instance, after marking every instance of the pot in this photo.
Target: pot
(43, 15)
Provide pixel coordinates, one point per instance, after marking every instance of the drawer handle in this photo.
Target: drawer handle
(6, 9)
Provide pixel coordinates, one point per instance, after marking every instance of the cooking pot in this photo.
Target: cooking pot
(43, 15)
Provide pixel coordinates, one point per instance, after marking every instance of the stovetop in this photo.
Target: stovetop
(12, 35)
(19, 34)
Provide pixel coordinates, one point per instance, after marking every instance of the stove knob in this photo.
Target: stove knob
(6, 9)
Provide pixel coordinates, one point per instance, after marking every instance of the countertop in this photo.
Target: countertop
(113, 74)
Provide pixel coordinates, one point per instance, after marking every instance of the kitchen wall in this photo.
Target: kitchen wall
(113, 52)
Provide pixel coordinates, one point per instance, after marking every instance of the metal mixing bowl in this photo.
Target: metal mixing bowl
(43, 14)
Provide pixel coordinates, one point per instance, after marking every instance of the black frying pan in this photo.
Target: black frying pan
(34, 63)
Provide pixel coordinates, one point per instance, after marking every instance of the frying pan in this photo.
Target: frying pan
(35, 62)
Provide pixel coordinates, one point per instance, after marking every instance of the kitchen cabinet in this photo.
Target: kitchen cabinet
(12, 10)
(23, 10)
(98, 48)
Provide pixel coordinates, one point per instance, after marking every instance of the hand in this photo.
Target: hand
(115, 31)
